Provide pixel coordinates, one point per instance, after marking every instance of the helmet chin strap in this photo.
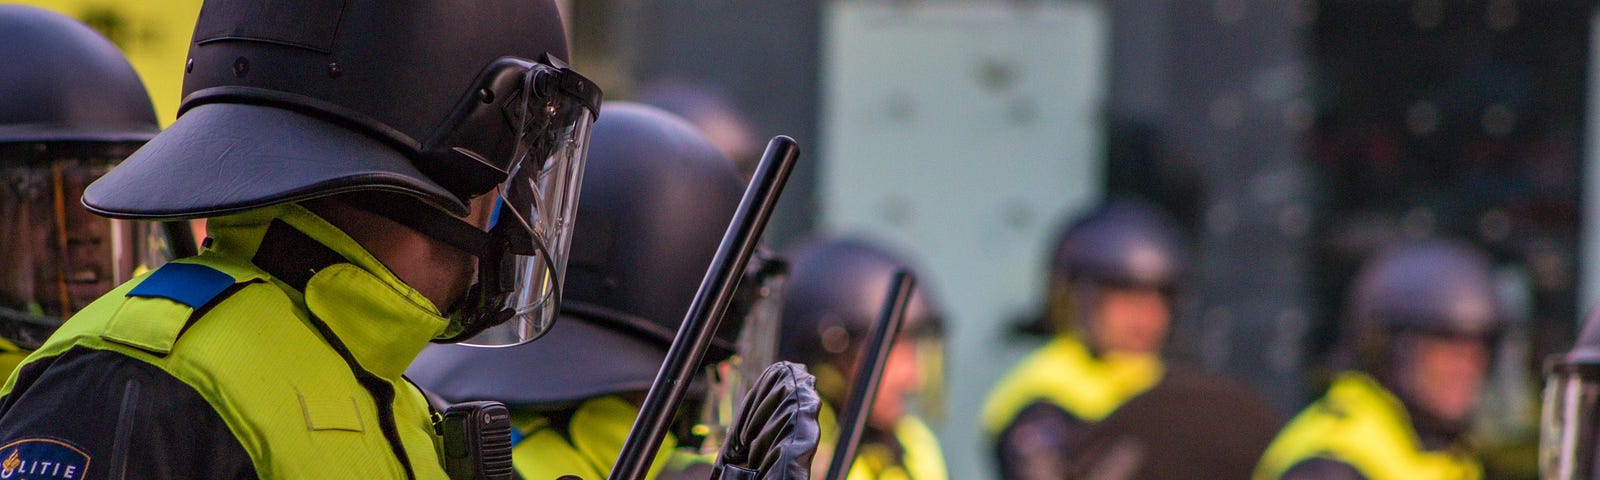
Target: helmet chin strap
(429, 221)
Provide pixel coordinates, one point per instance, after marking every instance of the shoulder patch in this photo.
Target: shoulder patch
(43, 458)
(185, 283)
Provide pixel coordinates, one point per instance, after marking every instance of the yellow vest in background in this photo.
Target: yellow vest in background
(1361, 424)
(11, 356)
(921, 456)
(588, 448)
(1063, 373)
(153, 34)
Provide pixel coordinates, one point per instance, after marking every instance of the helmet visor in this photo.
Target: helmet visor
(538, 202)
(59, 256)
(757, 344)
(930, 393)
(756, 347)
(1567, 429)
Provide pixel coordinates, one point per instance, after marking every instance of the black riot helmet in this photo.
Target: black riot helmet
(1433, 287)
(657, 199)
(1123, 243)
(437, 101)
(835, 291)
(1571, 413)
(72, 108)
(714, 111)
(66, 83)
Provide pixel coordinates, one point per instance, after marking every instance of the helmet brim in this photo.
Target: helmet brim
(62, 133)
(223, 158)
(576, 360)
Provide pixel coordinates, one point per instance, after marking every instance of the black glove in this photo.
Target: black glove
(775, 434)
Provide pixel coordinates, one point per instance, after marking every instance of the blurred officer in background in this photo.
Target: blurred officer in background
(70, 108)
(362, 161)
(834, 293)
(1567, 443)
(1111, 288)
(657, 199)
(1423, 320)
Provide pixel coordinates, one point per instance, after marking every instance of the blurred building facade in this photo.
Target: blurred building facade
(1293, 137)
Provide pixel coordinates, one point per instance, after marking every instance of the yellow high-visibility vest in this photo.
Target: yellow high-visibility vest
(1063, 373)
(1361, 424)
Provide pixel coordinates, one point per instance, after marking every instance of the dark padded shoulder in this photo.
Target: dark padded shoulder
(1323, 469)
(128, 419)
(186, 283)
(1039, 443)
(1192, 421)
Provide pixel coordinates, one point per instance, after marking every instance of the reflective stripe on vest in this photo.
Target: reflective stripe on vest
(1063, 373)
(1361, 424)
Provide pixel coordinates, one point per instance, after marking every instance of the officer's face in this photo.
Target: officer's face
(463, 267)
(1130, 320)
(1443, 374)
(901, 378)
(58, 254)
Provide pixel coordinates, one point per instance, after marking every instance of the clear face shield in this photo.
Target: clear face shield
(728, 382)
(57, 256)
(1568, 423)
(518, 291)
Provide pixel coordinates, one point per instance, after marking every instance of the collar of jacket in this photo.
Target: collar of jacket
(1355, 392)
(382, 321)
(916, 450)
(1065, 373)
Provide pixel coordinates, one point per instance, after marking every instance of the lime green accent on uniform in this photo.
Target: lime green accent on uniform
(876, 462)
(594, 439)
(130, 324)
(1362, 425)
(337, 290)
(921, 457)
(257, 359)
(328, 412)
(1065, 374)
(11, 356)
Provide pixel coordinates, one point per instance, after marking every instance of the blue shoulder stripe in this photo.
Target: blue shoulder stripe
(185, 283)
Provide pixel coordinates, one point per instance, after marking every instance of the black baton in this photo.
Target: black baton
(875, 356)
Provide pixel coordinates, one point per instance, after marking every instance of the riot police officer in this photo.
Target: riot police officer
(657, 197)
(73, 107)
(833, 295)
(1423, 319)
(378, 175)
(1113, 276)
